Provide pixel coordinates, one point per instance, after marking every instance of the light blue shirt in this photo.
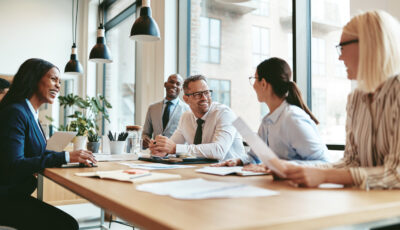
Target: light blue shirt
(292, 135)
(172, 106)
(36, 116)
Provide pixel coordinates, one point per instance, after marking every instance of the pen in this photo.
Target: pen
(138, 176)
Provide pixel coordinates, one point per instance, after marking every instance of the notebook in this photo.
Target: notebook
(60, 140)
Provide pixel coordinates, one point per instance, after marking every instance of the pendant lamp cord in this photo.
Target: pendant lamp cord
(101, 14)
(76, 20)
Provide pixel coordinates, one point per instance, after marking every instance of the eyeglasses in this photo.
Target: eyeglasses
(198, 95)
(340, 46)
(252, 79)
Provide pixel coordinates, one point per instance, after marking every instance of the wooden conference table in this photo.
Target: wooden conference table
(293, 208)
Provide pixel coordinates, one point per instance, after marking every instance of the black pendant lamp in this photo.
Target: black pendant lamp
(100, 52)
(73, 66)
(145, 28)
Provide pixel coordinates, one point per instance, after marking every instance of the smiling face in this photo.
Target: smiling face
(48, 86)
(350, 56)
(173, 86)
(201, 105)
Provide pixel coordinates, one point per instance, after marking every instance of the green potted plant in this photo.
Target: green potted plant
(84, 118)
(93, 142)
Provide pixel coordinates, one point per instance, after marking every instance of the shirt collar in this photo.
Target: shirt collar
(174, 102)
(204, 117)
(274, 116)
(33, 111)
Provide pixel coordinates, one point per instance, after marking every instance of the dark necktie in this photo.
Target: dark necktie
(165, 117)
(199, 132)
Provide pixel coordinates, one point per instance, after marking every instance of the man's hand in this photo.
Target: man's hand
(229, 163)
(146, 142)
(82, 156)
(164, 144)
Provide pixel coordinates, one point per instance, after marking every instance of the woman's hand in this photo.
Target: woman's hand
(256, 168)
(82, 156)
(304, 175)
(229, 163)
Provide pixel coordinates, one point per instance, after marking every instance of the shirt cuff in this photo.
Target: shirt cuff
(181, 148)
(67, 157)
(360, 177)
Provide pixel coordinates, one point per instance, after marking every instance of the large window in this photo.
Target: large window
(119, 76)
(330, 86)
(210, 40)
(221, 91)
(245, 39)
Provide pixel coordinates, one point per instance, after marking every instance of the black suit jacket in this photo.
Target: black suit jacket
(22, 151)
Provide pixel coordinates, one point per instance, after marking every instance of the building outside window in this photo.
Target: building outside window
(221, 90)
(262, 8)
(246, 39)
(210, 40)
(330, 85)
(260, 44)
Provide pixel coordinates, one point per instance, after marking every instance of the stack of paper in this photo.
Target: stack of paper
(223, 171)
(203, 189)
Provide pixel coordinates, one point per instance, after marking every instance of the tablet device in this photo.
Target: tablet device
(60, 140)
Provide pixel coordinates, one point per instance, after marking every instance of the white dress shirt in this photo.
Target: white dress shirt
(220, 140)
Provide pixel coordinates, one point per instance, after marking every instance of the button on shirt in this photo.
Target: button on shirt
(220, 140)
(36, 116)
(292, 135)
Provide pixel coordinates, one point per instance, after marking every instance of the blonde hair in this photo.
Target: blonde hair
(379, 49)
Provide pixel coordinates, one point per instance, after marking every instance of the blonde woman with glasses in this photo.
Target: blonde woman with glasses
(369, 47)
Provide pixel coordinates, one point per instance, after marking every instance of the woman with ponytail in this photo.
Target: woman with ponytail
(289, 128)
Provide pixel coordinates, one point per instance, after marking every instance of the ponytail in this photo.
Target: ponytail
(294, 98)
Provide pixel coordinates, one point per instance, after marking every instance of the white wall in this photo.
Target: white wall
(391, 6)
(40, 29)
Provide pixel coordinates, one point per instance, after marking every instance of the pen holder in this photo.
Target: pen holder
(117, 147)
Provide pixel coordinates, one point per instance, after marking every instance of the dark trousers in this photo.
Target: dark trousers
(31, 213)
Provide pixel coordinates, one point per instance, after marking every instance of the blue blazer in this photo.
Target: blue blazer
(22, 151)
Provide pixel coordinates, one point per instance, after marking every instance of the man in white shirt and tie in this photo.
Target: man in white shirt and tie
(162, 117)
(204, 131)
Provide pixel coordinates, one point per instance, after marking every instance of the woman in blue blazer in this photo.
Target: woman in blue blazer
(23, 149)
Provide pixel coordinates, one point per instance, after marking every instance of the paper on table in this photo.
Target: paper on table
(60, 140)
(156, 166)
(137, 178)
(203, 189)
(223, 171)
(116, 157)
(266, 155)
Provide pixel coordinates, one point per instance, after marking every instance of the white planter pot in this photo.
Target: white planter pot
(117, 147)
(79, 142)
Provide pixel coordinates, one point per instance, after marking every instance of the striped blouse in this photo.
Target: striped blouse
(372, 152)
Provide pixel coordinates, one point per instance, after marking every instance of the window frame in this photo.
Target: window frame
(209, 47)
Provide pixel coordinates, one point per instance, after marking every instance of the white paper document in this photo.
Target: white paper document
(155, 166)
(120, 175)
(204, 189)
(115, 157)
(223, 171)
(60, 140)
(263, 152)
